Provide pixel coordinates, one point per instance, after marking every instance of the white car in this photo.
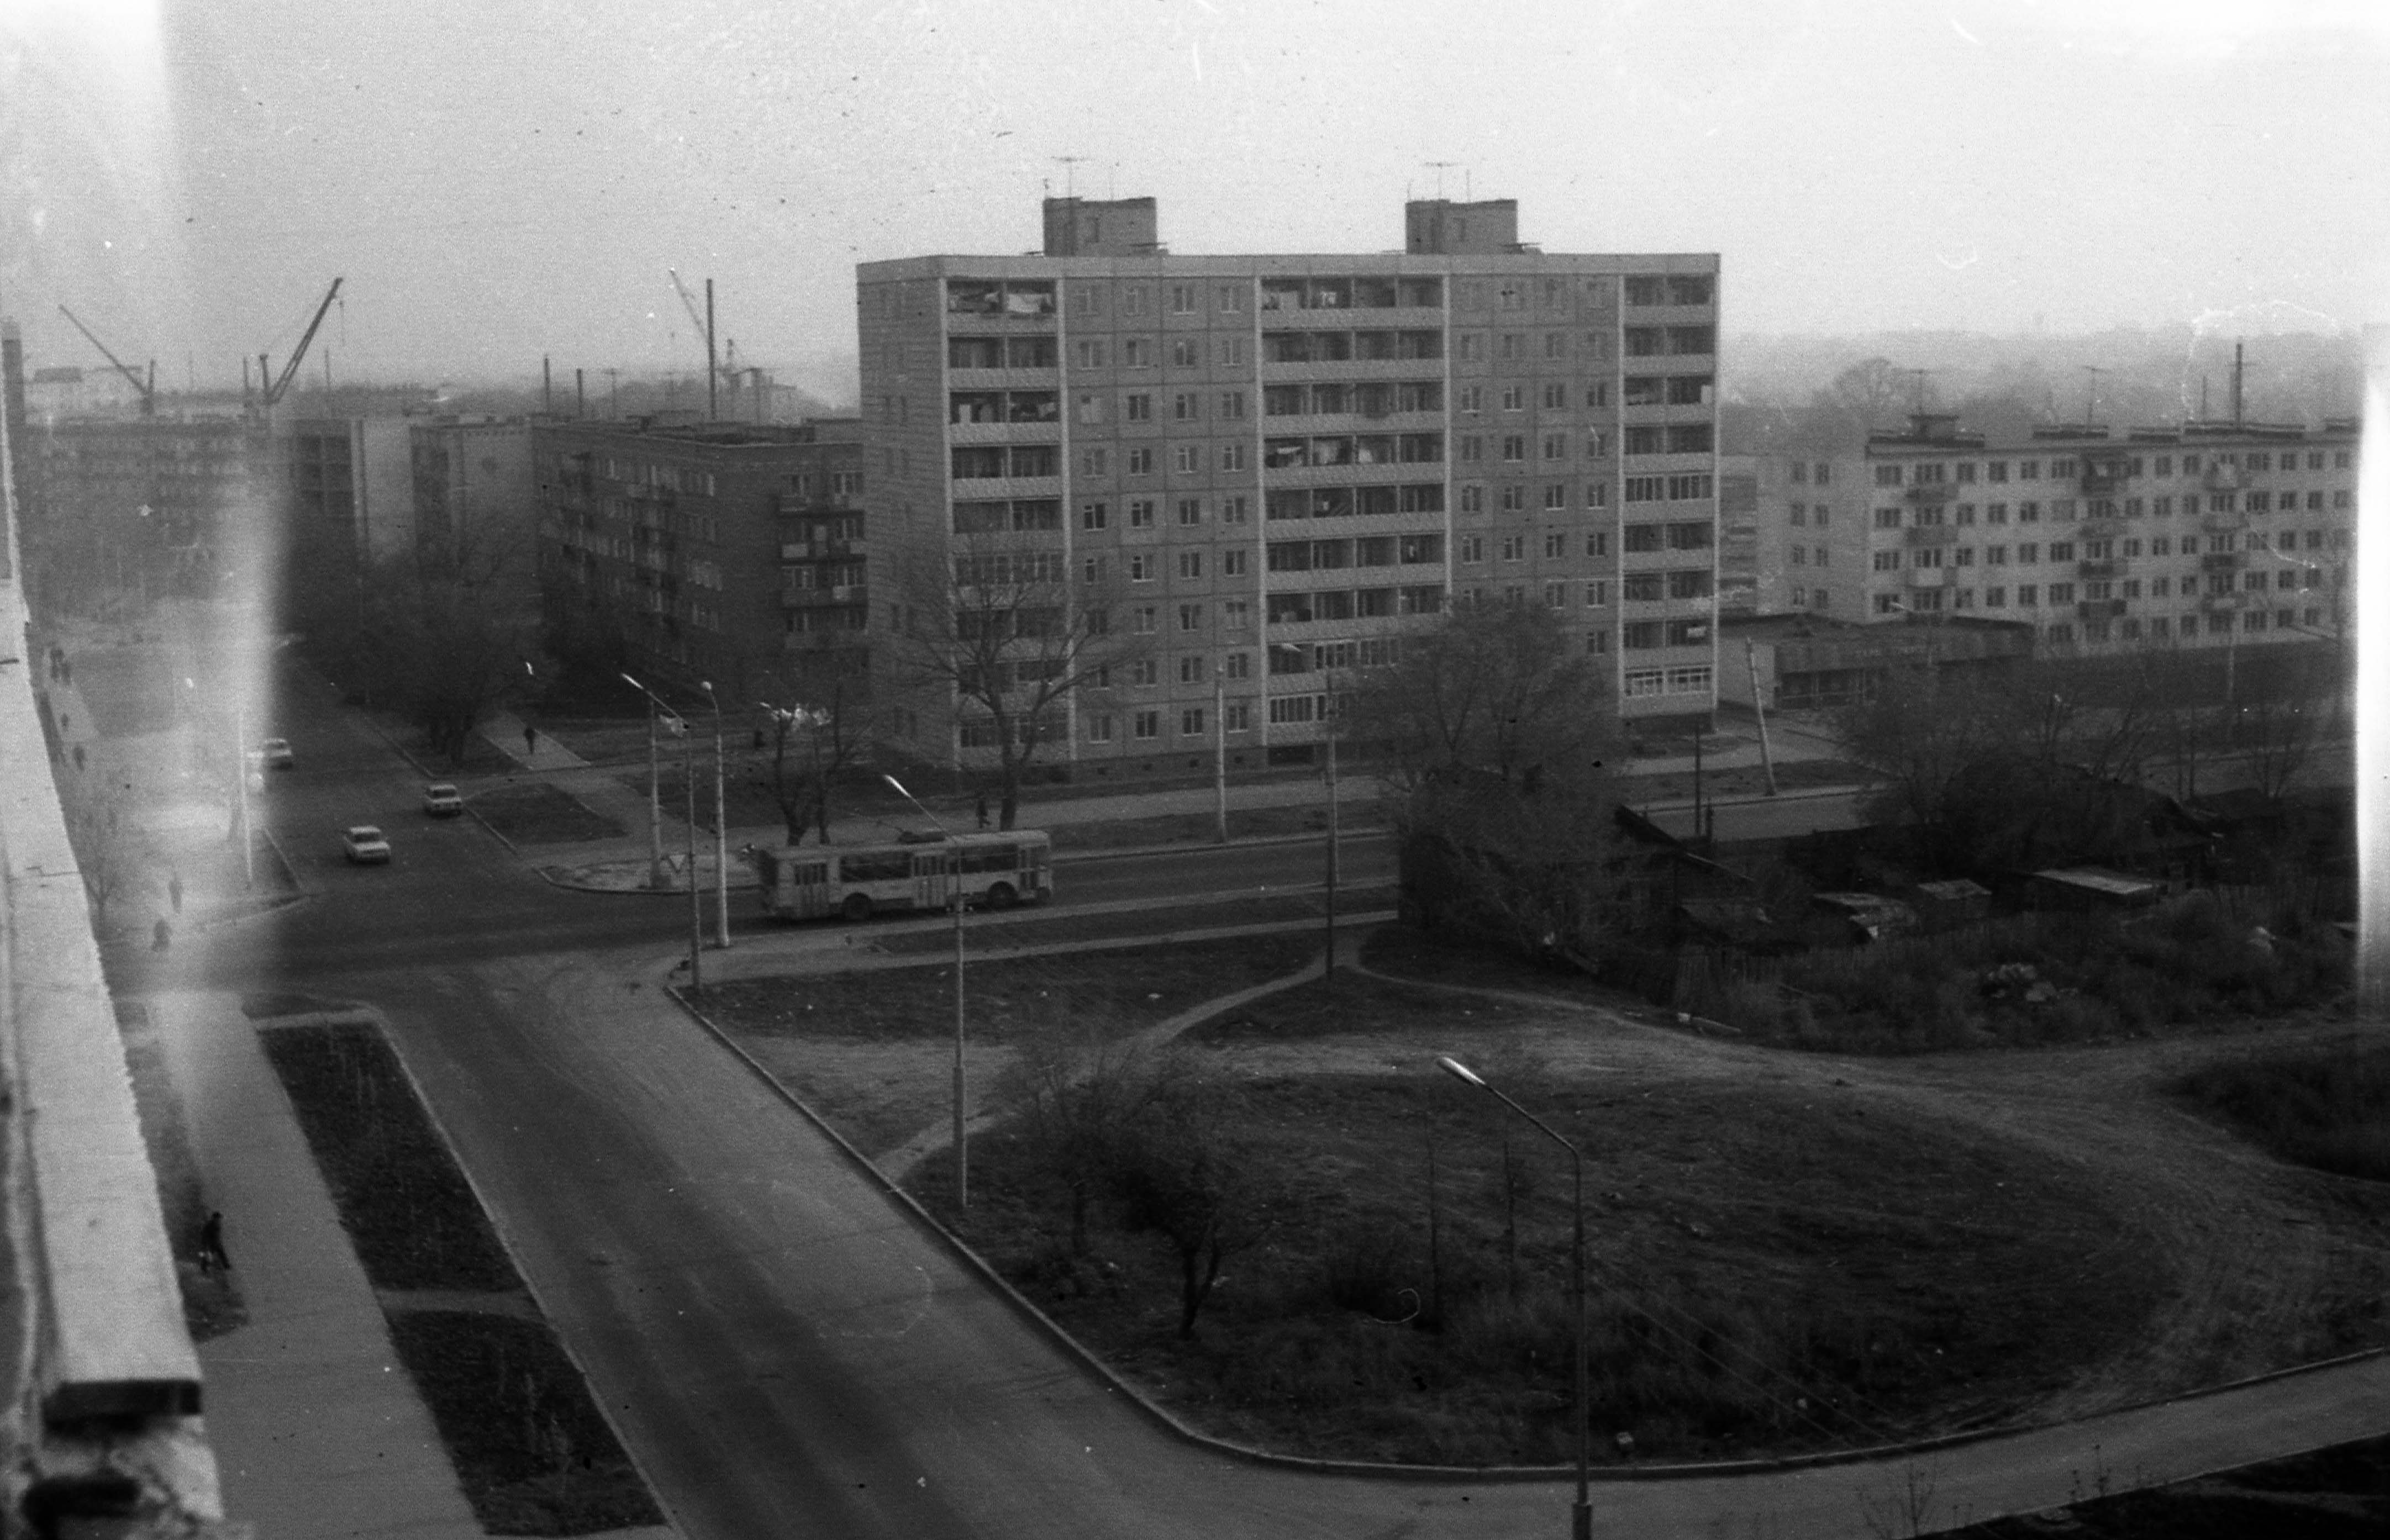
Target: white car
(442, 799)
(274, 753)
(364, 846)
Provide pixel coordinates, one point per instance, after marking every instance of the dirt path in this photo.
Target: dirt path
(2271, 1265)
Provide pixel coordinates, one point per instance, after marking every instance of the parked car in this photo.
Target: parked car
(442, 799)
(364, 846)
(274, 753)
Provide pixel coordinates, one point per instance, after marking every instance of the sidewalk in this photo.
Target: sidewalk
(316, 1429)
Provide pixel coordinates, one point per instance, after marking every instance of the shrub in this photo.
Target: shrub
(2333, 1113)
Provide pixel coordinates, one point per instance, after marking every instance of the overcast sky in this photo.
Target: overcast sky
(500, 179)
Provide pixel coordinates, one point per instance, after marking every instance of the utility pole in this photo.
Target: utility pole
(1328, 721)
(546, 385)
(1759, 710)
(713, 383)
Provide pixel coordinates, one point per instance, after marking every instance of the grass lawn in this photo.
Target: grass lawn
(535, 812)
(533, 1453)
(1773, 1269)
(531, 1449)
(1201, 828)
(2327, 1110)
(414, 1221)
(1743, 781)
(872, 1051)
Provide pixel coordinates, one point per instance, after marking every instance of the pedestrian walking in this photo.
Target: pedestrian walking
(65, 672)
(78, 756)
(161, 936)
(982, 810)
(531, 741)
(211, 1246)
(174, 891)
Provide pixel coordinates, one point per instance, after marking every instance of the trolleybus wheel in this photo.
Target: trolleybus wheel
(1001, 896)
(857, 907)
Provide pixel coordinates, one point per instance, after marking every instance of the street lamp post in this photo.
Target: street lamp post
(688, 785)
(1220, 748)
(1327, 725)
(655, 803)
(955, 900)
(721, 834)
(1581, 1525)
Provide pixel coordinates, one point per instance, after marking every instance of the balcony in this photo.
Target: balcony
(2223, 562)
(2099, 609)
(2217, 603)
(814, 598)
(1934, 493)
(2105, 527)
(1929, 577)
(2099, 569)
(1930, 535)
(2219, 523)
(2222, 477)
(2102, 481)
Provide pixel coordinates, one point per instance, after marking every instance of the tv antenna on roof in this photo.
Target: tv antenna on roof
(1070, 173)
(2091, 401)
(1441, 167)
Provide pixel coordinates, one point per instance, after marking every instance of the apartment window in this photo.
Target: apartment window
(1514, 498)
(1092, 516)
(1597, 543)
(1555, 397)
(2028, 553)
(1138, 461)
(1555, 495)
(1190, 720)
(1231, 351)
(1186, 406)
(1555, 594)
(1185, 458)
(1093, 462)
(1597, 595)
(1514, 398)
(1472, 499)
(1140, 513)
(1140, 567)
(1091, 354)
(1147, 724)
(1473, 548)
(1555, 346)
(1148, 620)
(2025, 595)
(1190, 511)
(1996, 598)
(1887, 519)
(1556, 446)
(1191, 564)
(1139, 407)
(1515, 547)
(1232, 457)
(1232, 298)
(1232, 406)
(1887, 561)
(1514, 447)
(1100, 728)
(1555, 545)
(1472, 447)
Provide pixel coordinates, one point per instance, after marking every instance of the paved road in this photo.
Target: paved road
(788, 1355)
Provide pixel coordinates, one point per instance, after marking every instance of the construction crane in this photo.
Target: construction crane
(704, 325)
(274, 392)
(146, 389)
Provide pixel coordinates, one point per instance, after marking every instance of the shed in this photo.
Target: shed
(2090, 887)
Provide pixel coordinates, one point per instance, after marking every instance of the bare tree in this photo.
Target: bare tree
(1493, 742)
(1182, 1176)
(1079, 1095)
(817, 737)
(430, 631)
(1000, 626)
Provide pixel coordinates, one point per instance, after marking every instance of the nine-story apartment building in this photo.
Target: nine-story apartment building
(1273, 466)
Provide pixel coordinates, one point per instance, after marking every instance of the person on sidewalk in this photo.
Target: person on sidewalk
(211, 1246)
(982, 810)
(161, 936)
(531, 741)
(174, 891)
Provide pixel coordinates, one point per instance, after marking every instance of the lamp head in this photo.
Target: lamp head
(1460, 1071)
